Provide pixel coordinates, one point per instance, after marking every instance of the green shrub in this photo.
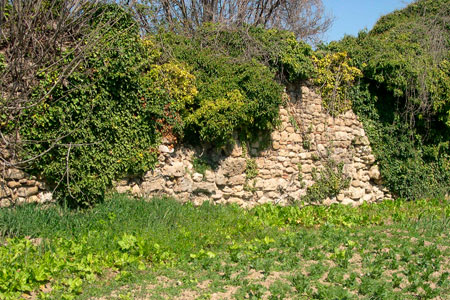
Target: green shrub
(328, 184)
(236, 71)
(105, 121)
(251, 169)
(403, 97)
(410, 169)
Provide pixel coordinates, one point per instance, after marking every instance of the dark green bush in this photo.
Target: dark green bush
(410, 169)
(97, 126)
(404, 96)
(236, 71)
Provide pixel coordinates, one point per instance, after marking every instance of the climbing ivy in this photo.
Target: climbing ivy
(334, 76)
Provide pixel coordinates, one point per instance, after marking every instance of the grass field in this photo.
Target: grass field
(160, 249)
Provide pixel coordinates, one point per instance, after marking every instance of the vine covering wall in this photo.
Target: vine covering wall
(293, 164)
(312, 157)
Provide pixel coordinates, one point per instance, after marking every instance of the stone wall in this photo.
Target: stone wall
(17, 187)
(305, 140)
(278, 168)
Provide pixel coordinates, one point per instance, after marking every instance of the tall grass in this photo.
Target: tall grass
(179, 227)
(73, 248)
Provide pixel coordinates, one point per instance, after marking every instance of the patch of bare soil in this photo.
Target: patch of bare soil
(187, 295)
(228, 294)
(45, 288)
(356, 259)
(274, 276)
(254, 275)
(204, 284)
(163, 281)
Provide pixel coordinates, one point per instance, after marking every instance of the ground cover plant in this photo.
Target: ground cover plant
(161, 249)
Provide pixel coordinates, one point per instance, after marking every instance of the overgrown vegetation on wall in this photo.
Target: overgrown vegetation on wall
(404, 96)
(103, 119)
(334, 77)
(327, 184)
(235, 72)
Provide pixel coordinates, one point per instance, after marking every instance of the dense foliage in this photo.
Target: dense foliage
(404, 95)
(235, 71)
(334, 77)
(105, 119)
(105, 123)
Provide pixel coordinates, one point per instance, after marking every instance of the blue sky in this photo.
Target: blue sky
(351, 16)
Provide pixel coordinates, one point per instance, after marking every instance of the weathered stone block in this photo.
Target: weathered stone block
(136, 190)
(33, 199)
(45, 197)
(295, 137)
(236, 200)
(221, 180)
(5, 202)
(284, 136)
(210, 176)
(203, 188)
(290, 170)
(306, 168)
(236, 180)
(374, 173)
(27, 191)
(184, 184)
(174, 170)
(348, 201)
(217, 195)
(197, 177)
(342, 136)
(367, 197)
(4, 191)
(236, 151)
(270, 184)
(356, 183)
(15, 174)
(234, 166)
(122, 189)
(165, 149)
(357, 193)
(276, 135)
(14, 184)
(154, 185)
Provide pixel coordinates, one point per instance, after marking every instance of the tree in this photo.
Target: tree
(306, 18)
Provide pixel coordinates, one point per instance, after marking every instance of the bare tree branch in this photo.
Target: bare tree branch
(41, 38)
(306, 18)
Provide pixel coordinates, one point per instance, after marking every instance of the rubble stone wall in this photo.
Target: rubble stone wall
(278, 168)
(307, 138)
(18, 187)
